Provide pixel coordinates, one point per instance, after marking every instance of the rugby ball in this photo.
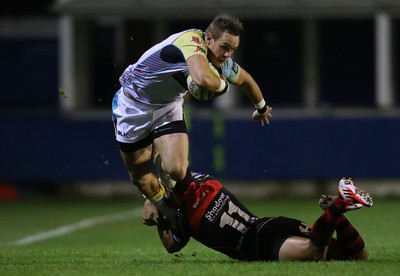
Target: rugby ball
(200, 93)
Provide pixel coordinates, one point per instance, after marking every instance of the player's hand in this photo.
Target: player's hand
(264, 117)
(179, 227)
(167, 237)
(150, 213)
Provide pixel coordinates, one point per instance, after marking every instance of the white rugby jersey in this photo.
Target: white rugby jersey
(159, 76)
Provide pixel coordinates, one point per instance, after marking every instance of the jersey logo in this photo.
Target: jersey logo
(195, 39)
(218, 205)
(199, 49)
(304, 228)
(235, 67)
(123, 134)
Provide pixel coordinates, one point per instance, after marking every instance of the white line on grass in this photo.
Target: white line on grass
(69, 228)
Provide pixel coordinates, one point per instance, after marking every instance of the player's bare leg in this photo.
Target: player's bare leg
(301, 249)
(173, 163)
(164, 178)
(174, 153)
(139, 166)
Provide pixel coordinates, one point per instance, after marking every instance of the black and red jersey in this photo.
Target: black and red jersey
(219, 221)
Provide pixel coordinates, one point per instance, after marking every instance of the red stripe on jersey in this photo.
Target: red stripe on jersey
(197, 198)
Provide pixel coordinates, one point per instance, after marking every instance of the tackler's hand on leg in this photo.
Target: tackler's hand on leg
(150, 214)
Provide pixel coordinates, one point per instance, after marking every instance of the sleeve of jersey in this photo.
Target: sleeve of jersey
(231, 70)
(191, 43)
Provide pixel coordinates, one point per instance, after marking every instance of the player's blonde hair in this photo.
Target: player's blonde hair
(221, 24)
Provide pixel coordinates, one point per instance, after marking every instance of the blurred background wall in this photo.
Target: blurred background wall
(330, 70)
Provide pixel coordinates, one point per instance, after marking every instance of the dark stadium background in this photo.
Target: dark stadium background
(345, 132)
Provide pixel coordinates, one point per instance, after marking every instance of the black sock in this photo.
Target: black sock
(182, 184)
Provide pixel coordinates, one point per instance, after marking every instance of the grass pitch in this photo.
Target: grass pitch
(52, 236)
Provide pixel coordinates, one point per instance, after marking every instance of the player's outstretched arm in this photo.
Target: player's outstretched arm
(250, 88)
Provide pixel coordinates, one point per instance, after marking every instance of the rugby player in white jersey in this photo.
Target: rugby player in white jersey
(149, 106)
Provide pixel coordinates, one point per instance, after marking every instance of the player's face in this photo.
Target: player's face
(222, 48)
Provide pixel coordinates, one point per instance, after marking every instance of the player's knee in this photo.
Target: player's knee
(177, 171)
(315, 252)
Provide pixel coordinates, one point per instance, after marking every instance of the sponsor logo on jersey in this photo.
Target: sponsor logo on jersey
(200, 49)
(123, 134)
(192, 86)
(195, 39)
(235, 67)
(304, 228)
(204, 193)
(215, 210)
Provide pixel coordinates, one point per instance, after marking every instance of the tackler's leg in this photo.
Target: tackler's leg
(350, 198)
(349, 244)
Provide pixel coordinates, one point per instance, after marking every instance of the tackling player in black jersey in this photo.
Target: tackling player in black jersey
(213, 216)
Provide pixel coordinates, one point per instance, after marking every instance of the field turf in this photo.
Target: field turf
(55, 236)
